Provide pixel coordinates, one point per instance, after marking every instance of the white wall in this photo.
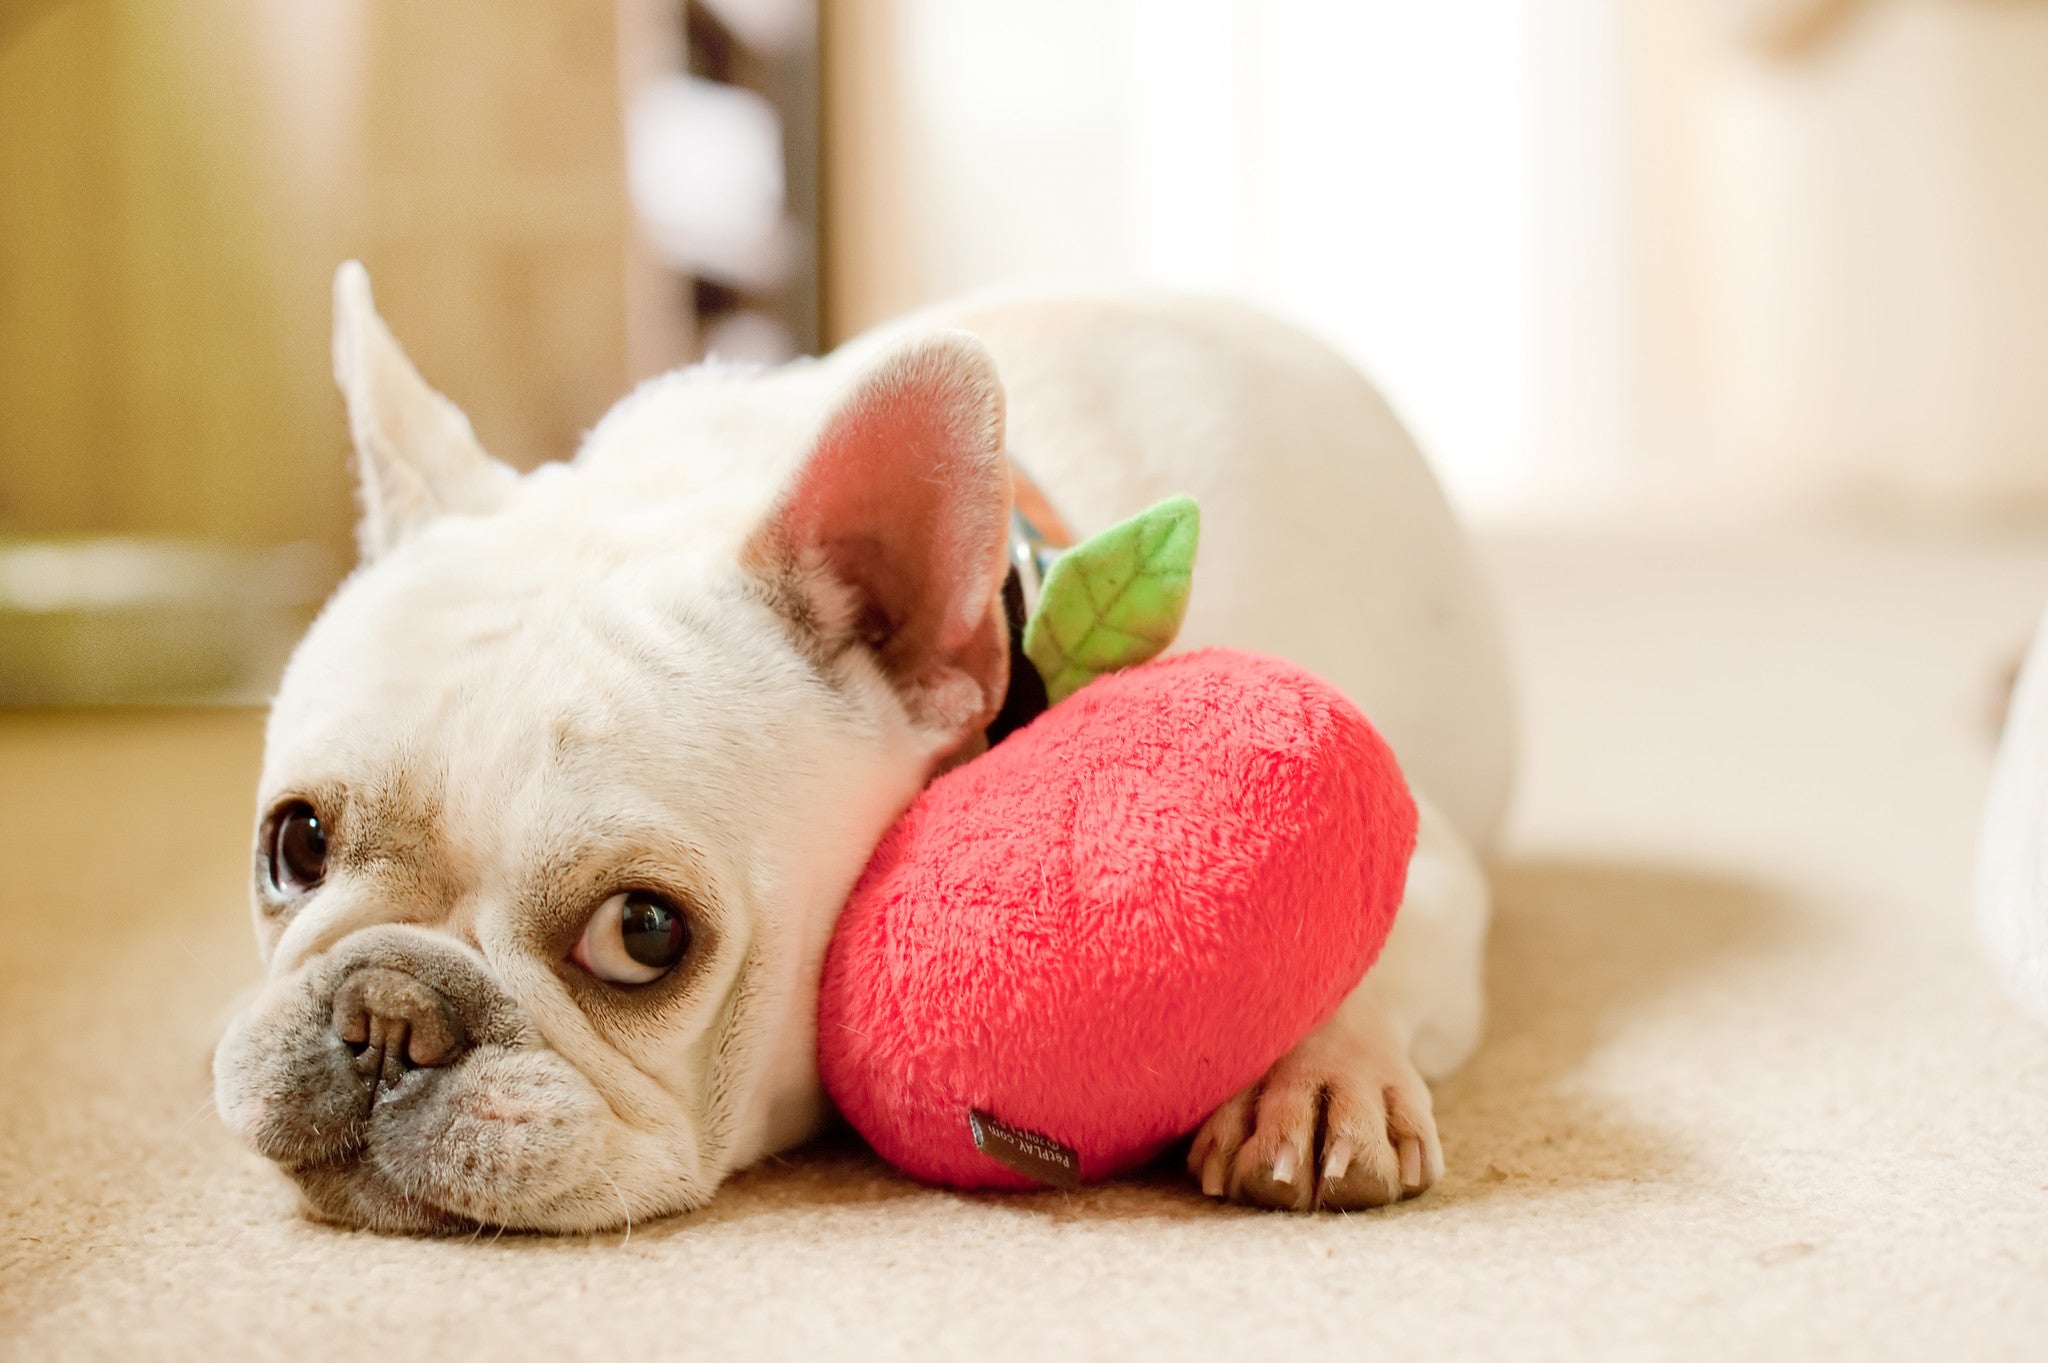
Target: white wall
(1365, 168)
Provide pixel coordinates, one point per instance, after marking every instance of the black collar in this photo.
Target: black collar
(1025, 700)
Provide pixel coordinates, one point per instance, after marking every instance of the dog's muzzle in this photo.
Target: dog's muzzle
(400, 1086)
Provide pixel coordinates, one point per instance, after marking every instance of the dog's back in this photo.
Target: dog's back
(1325, 538)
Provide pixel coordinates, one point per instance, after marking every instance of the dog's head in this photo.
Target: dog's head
(566, 786)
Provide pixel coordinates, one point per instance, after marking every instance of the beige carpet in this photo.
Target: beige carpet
(1748, 1091)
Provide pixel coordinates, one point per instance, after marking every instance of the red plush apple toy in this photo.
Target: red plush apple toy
(1071, 950)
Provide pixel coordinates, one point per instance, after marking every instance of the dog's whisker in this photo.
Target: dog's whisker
(622, 1206)
(192, 1117)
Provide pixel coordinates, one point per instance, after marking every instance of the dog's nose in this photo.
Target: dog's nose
(392, 1022)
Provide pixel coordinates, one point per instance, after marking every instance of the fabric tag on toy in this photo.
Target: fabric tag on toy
(1116, 599)
(1025, 1152)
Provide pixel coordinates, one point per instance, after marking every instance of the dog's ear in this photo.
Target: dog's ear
(893, 534)
(416, 457)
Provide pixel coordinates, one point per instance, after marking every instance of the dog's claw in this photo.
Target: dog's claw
(1337, 1160)
(1284, 1167)
(1411, 1164)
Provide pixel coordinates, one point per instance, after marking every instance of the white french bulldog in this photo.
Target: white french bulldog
(566, 786)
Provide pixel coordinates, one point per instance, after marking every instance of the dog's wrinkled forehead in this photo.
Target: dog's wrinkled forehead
(475, 680)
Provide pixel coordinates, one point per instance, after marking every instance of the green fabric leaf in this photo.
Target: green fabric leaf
(1115, 600)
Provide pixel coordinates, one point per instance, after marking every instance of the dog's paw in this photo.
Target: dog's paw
(1339, 1122)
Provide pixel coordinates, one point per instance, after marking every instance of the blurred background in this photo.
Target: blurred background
(1619, 263)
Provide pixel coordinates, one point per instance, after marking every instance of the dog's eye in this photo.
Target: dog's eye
(633, 938)
(298, 848)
